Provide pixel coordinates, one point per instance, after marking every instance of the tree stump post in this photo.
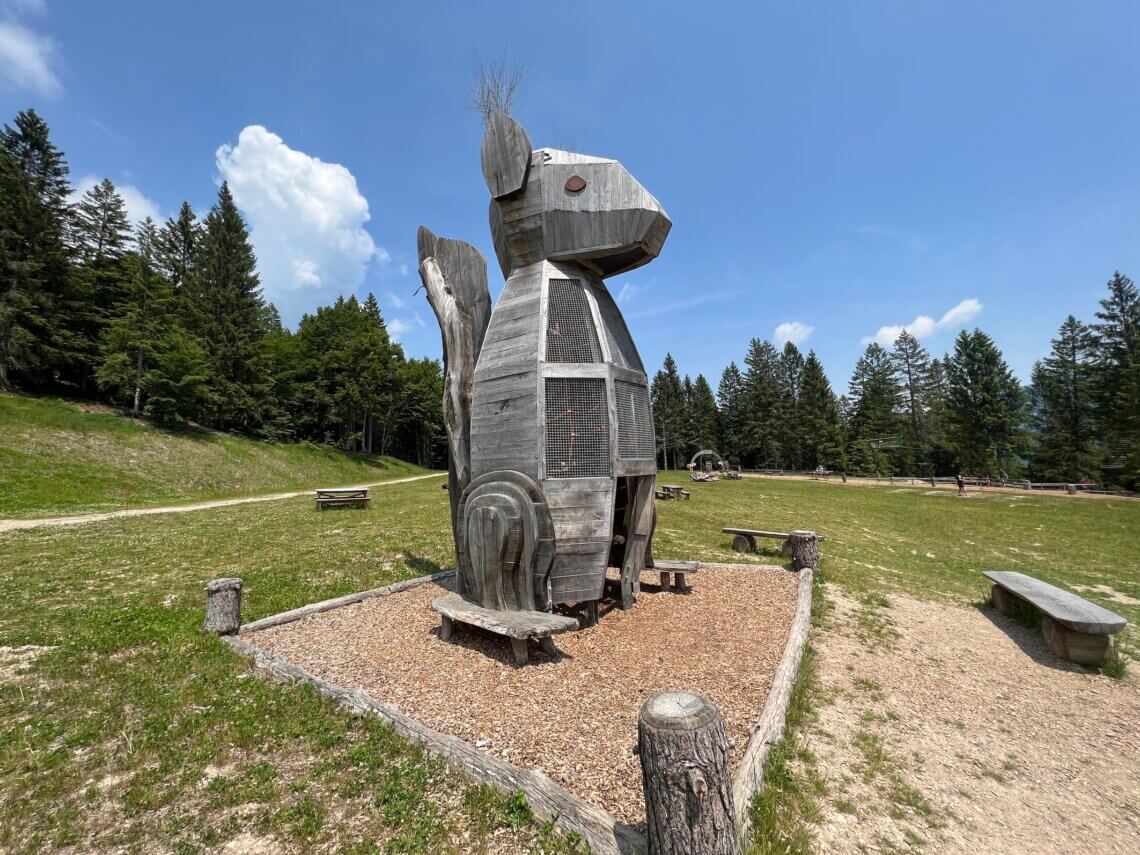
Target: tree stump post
(685, 774)
(804, 550)
(223, 606)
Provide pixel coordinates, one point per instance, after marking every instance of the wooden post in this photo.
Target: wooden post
(684, 767)
(804, 549)
(223, 606)
(637, 538)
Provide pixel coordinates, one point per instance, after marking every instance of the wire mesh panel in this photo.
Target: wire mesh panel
(622, 349)
(635, 427)
(577, 428)
(570, 333)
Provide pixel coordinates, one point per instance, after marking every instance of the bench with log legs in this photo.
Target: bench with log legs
(1074, 628)
(336, 496)
(677, 569)
(744, 539)
(518, 626)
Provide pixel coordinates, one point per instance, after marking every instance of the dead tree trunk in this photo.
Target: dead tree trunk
(684, 767)
(455, 276)
(804, 546)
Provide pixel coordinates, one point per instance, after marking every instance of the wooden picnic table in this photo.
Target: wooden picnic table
(335, 496)
(675, 491)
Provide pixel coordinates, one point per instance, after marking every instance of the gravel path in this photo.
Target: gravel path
(575, 716)
(81, 519)
(1008, 748)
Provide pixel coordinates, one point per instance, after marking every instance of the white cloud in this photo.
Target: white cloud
(395, 300)
(924, 326)
(139, 206)
(792, 331)
(397, 327)
(629, 291)
(404, 270)
(36, 6)
(26, 60)
(306, 220)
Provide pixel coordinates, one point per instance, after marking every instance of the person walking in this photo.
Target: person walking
(961, 484)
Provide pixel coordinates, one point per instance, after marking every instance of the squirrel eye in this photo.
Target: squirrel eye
(575, 183)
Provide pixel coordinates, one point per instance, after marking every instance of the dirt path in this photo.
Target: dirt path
(80, 519)
(956, 728)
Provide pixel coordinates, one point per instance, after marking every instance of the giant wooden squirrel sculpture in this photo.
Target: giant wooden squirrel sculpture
(552, 457)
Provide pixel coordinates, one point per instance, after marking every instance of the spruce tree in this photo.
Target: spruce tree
(702, 415)
(177, 252)
(911, 364)
(819, 414)
(668, 410)
(102, 230)
(41, 317)
(1062, 406)
(985, 406)
(1115, 388)
(789, 425)
(227, 315)
(729, 399)
(759, 404)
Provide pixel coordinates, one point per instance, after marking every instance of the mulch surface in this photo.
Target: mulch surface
(573, 716)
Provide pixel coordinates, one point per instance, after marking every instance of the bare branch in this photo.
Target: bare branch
(496, 86)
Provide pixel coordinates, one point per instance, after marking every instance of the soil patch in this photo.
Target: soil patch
(966, 732)
(573, 716)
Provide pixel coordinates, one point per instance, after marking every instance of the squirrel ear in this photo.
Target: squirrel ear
(505, 156)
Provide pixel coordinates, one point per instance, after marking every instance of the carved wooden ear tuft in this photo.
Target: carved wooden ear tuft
(505, 156)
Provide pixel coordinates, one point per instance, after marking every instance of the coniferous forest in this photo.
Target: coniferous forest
(168, 321)
(906, 412)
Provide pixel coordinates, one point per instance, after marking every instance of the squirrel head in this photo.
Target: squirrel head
(563, 206)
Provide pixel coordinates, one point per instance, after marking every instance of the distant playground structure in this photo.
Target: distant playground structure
(708, 465)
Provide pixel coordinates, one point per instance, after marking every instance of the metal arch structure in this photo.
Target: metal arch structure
(720, 463)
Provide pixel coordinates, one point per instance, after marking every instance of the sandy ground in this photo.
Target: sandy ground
(81, 519)
(573, 716)
(972, 490)
(958, 727)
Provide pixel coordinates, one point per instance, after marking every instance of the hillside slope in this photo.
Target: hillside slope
(58, 457)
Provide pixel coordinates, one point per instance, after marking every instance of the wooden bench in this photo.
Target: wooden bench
(744, 539)
(671, 491)
(1074, 628)
(677, 569)
(334, 496)
(518, 626)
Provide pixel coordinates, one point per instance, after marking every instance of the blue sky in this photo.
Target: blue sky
(841, 167)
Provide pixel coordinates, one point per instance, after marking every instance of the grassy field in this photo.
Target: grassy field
(126, 727)
(59, 458)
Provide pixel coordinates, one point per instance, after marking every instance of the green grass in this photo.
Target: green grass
(882, 541)
(136, 731)
(56, 458)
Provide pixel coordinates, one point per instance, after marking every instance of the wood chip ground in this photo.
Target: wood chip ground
(573, 716)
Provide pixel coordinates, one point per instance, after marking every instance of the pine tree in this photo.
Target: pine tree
(102, 230)
(1115, 390)
(177, 252)
(985, 406)
(789, 425)
(729, 398)
(101, 237)
(227, 315)
(40, 315)
(668, 410)
(702, 415)
(759, 405)
(819, 415)
(1062, 406)
(911, 364)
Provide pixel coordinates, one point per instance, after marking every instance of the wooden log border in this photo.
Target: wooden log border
(600, 829)
(347, 600)
(769, 728)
